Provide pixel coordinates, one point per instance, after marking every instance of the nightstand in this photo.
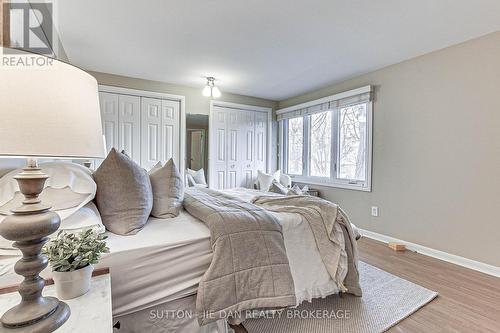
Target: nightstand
(90, 313)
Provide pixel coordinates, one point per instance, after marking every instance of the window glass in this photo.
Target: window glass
(352, 143)
(295, 145)
(321, 144)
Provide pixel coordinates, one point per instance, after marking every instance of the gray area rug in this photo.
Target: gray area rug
(387, 299)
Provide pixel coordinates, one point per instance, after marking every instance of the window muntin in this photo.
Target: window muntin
(295, 146)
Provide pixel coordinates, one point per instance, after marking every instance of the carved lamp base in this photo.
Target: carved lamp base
(29, 227)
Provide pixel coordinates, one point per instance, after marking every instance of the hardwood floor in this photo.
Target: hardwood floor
(468, 301)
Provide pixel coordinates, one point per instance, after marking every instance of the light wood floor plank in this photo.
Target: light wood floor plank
(468, 301)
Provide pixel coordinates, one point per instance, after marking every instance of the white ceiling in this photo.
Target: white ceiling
(272, 49)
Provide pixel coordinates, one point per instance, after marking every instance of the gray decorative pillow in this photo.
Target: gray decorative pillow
(168, 190)
(190, 180)
(198, 176)
(276, 187)
(295, 190)
(156, 167)
(124, 196)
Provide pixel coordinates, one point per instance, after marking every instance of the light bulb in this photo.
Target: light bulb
(207, 91)
(216, 92)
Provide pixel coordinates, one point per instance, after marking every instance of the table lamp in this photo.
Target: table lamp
(49, 111)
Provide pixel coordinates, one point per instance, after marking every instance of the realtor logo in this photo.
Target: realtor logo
(30, 27)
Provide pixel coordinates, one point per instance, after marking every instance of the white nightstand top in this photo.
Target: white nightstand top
(90, 313)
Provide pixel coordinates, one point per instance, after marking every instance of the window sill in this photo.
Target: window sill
(328, 183)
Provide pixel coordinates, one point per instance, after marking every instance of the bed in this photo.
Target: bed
(168, 258)
(159, 269)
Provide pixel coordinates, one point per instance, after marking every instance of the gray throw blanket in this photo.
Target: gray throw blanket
(249, 268)
(337, 246)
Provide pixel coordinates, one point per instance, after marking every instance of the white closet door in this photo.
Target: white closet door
(160, 121)
(238, 147)
(170, 131)
(129, 120)
(260, 141)
(151, 129)
(247, 151)
(109, 118)
(234, 143)
(217, 148)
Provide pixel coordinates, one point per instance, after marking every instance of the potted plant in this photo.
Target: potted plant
(72, 257)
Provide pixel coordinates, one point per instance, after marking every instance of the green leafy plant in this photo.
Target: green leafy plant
(69, 252)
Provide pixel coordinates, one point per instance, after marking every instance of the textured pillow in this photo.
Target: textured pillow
(276, 187)
(168, 190)
(190, 180)
(70, 187)
(59, 199)
(198, 176)
(153, 169)
(265, 180)
(296, 190)
(124, 196)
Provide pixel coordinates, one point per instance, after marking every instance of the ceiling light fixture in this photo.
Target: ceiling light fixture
(210, 89)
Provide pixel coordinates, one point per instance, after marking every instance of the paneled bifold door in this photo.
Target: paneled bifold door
(147, 129)
(238, 143)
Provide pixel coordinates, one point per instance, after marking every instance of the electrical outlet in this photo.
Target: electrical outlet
(374, 211)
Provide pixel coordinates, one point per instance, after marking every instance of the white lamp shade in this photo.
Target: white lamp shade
(49, 111)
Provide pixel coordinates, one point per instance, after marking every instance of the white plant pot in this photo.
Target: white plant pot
(73, 284)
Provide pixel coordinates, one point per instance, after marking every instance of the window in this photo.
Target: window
(295, 145)
(352, 143)
(329, 143)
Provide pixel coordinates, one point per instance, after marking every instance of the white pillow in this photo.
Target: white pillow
(286, 180)
(59, 199)
(265, 180)
(69, 187)
(198, 176)
(87, 217)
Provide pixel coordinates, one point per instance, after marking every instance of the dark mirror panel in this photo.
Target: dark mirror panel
(197, 142)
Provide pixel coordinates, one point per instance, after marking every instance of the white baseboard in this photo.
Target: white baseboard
(454, 259)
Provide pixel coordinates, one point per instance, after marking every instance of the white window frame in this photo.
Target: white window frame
(331, 181)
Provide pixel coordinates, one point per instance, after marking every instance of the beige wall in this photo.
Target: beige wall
(195, 101)
(436, 158)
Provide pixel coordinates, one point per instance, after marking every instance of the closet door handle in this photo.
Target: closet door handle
(232, 166)
(248, 166)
